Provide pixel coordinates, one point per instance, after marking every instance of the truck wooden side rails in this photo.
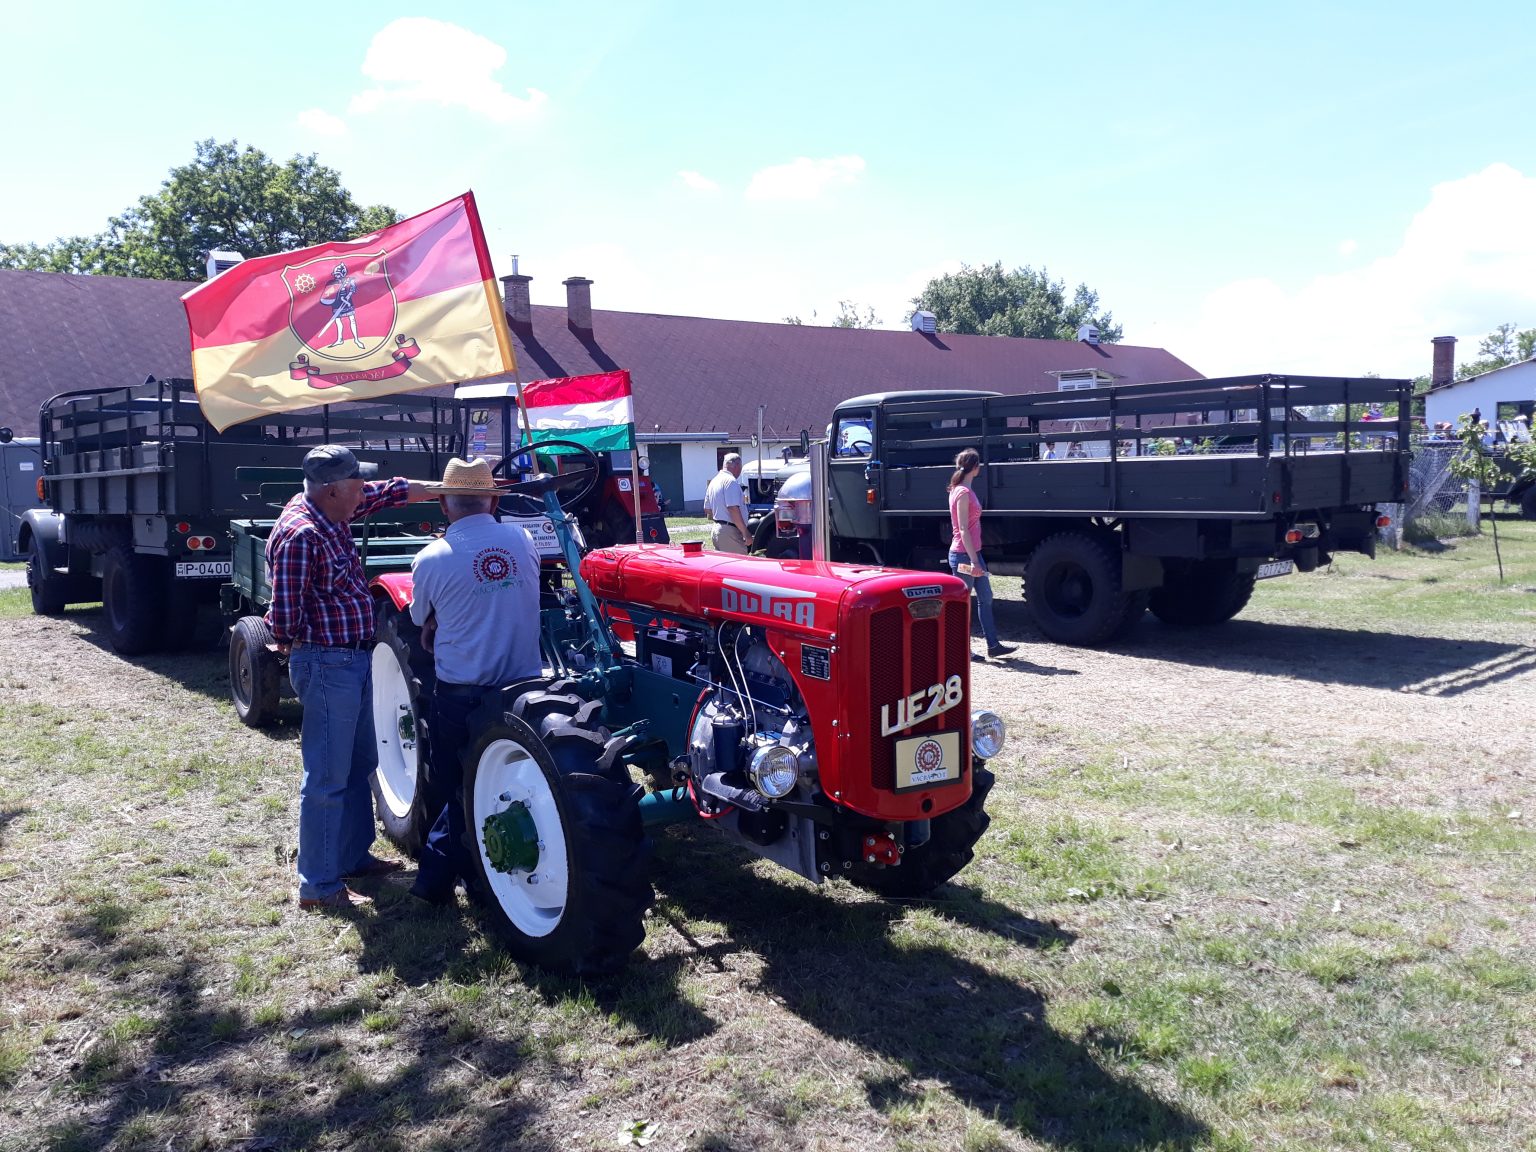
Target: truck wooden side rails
(1174, 496)
(140, 491)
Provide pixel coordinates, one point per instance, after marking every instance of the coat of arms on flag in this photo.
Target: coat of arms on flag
(411, 306)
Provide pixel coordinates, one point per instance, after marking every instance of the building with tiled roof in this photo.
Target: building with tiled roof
(697, 382)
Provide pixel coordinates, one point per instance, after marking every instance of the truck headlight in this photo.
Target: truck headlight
(988, 733)
(774, 770)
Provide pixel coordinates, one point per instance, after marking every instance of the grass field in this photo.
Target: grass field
(1268, 886)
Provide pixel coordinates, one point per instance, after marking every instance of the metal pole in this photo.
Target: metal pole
(820, 505)
(759, 446)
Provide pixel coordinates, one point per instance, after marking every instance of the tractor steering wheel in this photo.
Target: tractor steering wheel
(573, 487)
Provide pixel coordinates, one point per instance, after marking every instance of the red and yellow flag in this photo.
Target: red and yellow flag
(409, 307)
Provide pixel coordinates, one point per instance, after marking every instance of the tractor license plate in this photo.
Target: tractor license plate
(1275, 568)
(204, 568)
(923, 761)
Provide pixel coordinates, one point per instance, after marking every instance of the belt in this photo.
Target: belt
(446, 689)
(727, 523)
(357, 645)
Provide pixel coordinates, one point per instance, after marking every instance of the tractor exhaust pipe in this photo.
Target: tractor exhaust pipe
(821, 520)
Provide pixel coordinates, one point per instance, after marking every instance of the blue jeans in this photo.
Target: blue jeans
(335, 685)
(982, 585)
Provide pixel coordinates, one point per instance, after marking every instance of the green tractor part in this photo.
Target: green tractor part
(512, 839)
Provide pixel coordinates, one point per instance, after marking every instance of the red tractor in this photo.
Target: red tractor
(817, 714)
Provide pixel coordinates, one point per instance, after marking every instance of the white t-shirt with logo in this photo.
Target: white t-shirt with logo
(482, 581)
(723, 493)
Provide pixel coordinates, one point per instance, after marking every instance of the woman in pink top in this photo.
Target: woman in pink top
(965, 545)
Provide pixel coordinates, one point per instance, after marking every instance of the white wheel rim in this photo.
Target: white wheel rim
(508, 774)
(398, 757)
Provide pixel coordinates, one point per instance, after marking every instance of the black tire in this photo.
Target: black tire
(1072, 585)
(950, 848)
(134, 592)
(47, 586)
(1528, 504)
(590, 914)
(254, 673)
(1203, 593)
(402, 699)
(766, 541)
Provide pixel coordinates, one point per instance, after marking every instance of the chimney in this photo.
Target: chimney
(578, 303)
(514, 293)
(1445, 361)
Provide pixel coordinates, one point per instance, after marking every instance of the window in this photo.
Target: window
(854, 436)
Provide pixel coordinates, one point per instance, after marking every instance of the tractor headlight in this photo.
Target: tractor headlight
(774, 770)
(988, 733)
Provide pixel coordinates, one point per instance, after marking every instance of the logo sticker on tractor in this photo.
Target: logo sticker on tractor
(924, 704)
(765, 600)
(923, 591)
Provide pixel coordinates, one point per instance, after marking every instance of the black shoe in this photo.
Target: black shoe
(999, 649)
(438, 895)
(978, 658)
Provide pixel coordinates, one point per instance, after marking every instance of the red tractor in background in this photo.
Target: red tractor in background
(817, 714)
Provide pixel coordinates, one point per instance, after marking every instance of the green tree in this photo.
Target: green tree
(992, 302)
(1505, 345)
(849, 316)
(229, 198)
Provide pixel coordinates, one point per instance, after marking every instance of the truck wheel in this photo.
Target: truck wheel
(1528, 504)
(557, 849)
(1072, 584)
(254, 674)
(133, 595)
(1207, 592)
(46, 585)
(402, 685)
(949, 849)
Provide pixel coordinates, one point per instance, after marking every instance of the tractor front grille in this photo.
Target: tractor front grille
(906, 655)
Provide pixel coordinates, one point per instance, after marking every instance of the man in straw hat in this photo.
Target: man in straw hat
(321, 617)
(476, 599)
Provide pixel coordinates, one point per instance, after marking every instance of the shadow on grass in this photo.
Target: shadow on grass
(9, 816)
(296, 1079)
(864, 974)
(1432, 665)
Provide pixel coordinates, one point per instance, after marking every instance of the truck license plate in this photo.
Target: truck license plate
(204, 568)
(923, 761)
(1275, 568)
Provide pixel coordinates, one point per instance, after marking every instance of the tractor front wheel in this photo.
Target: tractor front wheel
(557, 849)
(950, 847)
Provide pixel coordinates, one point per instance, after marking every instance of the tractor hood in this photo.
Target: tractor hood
(803, 596)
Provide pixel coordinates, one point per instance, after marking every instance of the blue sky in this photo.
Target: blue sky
(1305, 188)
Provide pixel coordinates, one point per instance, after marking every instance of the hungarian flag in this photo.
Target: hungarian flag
(597, 411)
(412, 306)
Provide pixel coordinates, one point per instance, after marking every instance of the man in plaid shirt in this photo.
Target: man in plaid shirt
(321, 616)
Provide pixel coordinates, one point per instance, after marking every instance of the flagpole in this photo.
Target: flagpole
(634, 456)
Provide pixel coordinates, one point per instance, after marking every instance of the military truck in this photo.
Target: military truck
(1174, 497)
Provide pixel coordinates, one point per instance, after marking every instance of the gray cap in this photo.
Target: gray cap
(330, 463)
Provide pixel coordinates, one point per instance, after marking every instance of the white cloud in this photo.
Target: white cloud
(1348, 247)
(319, 122)
(416, 60)
(804, 179)
(697, 181)
(1464, 265)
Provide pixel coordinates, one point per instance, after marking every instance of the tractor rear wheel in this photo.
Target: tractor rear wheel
(402, 687)
(949, 848)
(134, 590)
(1072, 584)
(558, 854)
(1207, 592)
(253, 672)
(46, 584)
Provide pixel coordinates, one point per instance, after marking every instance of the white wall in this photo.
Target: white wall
(1508, 385)
(699, 468)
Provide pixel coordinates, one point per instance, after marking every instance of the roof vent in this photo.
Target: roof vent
(222, 262)
(924, 322)
(1088, 334)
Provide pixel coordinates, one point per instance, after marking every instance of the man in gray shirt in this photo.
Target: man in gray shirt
(723, 504)
(476, 598)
